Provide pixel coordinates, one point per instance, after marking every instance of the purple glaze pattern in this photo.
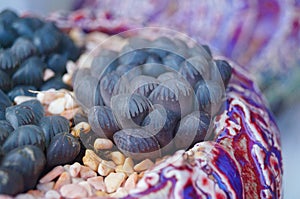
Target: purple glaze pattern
(254, 33)
(244, 161)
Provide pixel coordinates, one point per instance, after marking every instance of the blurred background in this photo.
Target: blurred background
(262, 36)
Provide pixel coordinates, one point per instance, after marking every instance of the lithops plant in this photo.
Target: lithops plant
(130, 109)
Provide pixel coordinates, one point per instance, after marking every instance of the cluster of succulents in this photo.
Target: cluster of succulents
(154, 96)
(29, 46)
(31, 142)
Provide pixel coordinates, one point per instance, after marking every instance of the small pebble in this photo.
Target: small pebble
(117, 157)
(45, 186)
(106, 167)
(86, 172)
(73, 191)
(52, 194)
(25, 196)
(143, 166)
(75, 169)
(81, 127)
(36, 193)
(90, 190)
(71, 67)
(57, 106)
(141, 175)
(54, 173)
(46, 97)
(113, 181)
(120, 193)
(131, 181)
(69, 114)
(67, 79)
(63, 179)
(21, 99)
(102, 143)
(97, 182)
(128, 166)
(48, 73)
(101, 194)
(77, 180)
(70, 101)
(91, 160)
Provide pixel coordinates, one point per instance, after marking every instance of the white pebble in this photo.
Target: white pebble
(97, 182)
(70, 101)
(21, 99)
(102, 143)
(106, 167)
(71, 67)
(52, 194)
(67, 79)
(86, 172)
(57, 106)
(48, 74)
(73, 191)
(90, 190)
(75, 169)
(113, 181)
(45, 186)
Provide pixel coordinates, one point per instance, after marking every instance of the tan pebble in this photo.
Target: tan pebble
(67, 79)
(63, 179)
(77, 180)
(119, 168)
(52, 194)
(120, 193)
(141, 174)
(106, 167)
(69, 114)
(144, 165)
(21, 99)
(77, 36)
(90, 190)
(57, 106)
(48, 73)
(91, 160)
(75, 169)
(54, 173)
(128, 166)
(45, 186)
(73, 191)
(131, 181)
(71, 67)
(70, 101)
(83, 127)
(101, 193)
(97, 182)
(117, 157)
(113, 181)
(86, 172)
(102, 143)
